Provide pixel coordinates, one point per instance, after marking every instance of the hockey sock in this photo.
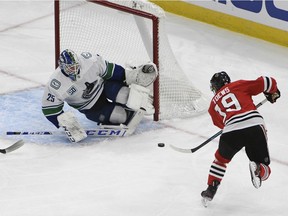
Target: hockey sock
(218, 168)
(217, 171)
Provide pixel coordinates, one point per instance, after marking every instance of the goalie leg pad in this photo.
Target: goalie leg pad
(72, 128)
(139, 97)
(135, 120)
(143, 75)
(118, 115)
(149, 107)
(132, 122)
(123, 94)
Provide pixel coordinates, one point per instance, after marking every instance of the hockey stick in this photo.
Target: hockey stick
(13, 147)
(192, 150)
(110, 132)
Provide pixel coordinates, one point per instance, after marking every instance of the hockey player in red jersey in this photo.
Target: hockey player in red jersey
(232, 109)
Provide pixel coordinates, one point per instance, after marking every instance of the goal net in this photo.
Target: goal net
(129, 32)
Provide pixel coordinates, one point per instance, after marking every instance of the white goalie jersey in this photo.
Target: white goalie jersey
(81, 94)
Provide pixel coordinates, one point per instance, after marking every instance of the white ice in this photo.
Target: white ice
(132, 176)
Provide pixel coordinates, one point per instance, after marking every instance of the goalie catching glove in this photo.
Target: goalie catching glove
(272, 97)
(143, 75)
(71, 126)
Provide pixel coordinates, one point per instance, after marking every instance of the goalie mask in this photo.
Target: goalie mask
(218, 80)
(69, 64)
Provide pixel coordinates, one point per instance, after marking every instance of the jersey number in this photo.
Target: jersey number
(51, 97)
(230, 103)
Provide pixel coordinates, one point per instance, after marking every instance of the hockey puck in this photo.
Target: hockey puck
(161, 144)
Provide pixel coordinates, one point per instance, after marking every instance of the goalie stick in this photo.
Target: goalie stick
(13, 147)
(192, 150)
(104, 130)
(110, 132)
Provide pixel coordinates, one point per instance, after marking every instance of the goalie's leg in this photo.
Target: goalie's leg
(121, 105)
(133, 96)
(112, 114)
(139, 98)
(138, 103)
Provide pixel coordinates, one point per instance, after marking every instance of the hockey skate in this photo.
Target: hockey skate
(209, 193)
(255, 174)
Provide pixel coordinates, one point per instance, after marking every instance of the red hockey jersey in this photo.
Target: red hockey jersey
(232, 106)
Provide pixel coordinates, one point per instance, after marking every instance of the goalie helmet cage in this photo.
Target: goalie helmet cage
(129, 33)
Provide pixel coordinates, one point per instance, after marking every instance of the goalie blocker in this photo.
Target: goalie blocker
(71, 126)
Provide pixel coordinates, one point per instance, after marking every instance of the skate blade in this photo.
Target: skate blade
(205, 202)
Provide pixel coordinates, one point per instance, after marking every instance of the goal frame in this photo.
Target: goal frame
(155, 39)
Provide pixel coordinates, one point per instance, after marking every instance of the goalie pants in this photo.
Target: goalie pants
(102, 109)
(253, 139)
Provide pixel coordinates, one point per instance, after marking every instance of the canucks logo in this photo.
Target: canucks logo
(55, 84)
(91, 88)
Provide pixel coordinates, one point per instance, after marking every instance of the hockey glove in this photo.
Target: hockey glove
(143, 75)
(272, 97)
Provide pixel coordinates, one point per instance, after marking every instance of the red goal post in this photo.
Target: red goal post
(129, 31)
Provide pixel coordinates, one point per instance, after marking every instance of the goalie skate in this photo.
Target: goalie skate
(255, 174)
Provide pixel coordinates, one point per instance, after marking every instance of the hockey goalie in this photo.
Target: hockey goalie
(105, 92)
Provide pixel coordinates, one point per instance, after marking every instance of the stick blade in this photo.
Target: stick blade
(180, 149)
(15, 146)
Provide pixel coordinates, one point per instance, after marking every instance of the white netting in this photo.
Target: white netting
(113, 34)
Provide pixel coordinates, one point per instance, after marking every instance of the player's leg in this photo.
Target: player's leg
(107, 113)
(258, 154)
(112, 114)
(134, 96)
(216, 173)
(120, 105)
(116, 92)
(108, 109)
(226, 151)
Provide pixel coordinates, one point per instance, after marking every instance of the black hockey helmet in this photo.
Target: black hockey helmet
(218, 80)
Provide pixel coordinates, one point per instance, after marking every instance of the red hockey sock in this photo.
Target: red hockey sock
(218, 168)
(217, 171)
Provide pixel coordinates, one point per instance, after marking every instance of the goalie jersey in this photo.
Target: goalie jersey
(232, 107)
(83, 93)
